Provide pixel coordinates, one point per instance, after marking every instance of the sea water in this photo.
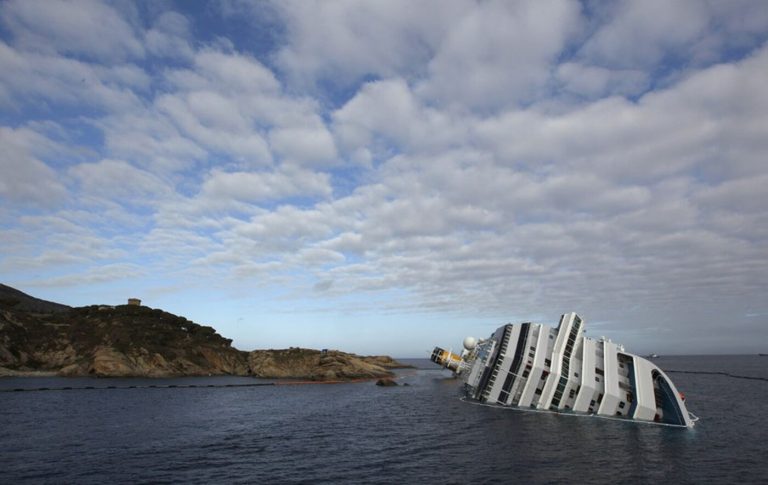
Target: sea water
(361, 433)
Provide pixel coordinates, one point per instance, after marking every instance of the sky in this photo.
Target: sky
(382, 177)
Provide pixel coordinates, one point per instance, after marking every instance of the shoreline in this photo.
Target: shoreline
(12, 374)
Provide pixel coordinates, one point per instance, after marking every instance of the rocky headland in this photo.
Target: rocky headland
(320, 365)
(38, 337)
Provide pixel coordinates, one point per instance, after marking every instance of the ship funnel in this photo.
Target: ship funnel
(447, 359)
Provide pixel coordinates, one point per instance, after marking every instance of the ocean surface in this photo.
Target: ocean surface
(361, 433)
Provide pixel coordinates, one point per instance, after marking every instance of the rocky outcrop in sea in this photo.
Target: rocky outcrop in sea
(321, 365)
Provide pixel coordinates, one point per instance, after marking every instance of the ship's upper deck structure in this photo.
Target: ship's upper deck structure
(532, 365)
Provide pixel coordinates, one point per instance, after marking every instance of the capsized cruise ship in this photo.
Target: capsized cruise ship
(531, 365)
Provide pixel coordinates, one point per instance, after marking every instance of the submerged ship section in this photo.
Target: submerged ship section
(531, 365)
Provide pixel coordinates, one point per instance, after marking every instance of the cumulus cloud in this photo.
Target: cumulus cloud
(306, 145)
(594, 82)
(232, 72)
(485, 159)
(228, 105)
(325, 39)
(96, 275)
(87, 28)
(637, 34)
(149, 139)
(385, 116)
(53, 79)
(118, 180)
(26, 179)
(214, 121)
(266, 186)
(463, 53)
(170, 37)
(641, 33)
(499, 54)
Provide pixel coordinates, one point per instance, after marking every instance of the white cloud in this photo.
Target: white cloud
(461, 53)
(312, 146)
(596, 82)
(386, 114)
(195, 115)
(170, 37)
(641, 34)
(87, 28)
(118, 180)
(50, 78)
(25, 178)
(503, 168)
(150, 140)
(740, 196)
(327, 40)
(94, 275)
(234, 73)
(317, 256)
(500, 53)
(667, 132)
(231, 104)
(266, 186)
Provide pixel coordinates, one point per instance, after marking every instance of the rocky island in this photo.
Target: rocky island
(38, 337)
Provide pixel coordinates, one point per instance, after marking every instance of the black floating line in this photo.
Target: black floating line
(727, 374)
(153, 386)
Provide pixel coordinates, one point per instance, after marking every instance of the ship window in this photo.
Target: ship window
(547, 362)
(538, 392)
(591, 403)
(597, 379)
(525, 374)
(572, 393)
(599, 371)
(533, 348)
(622, 404)
(551, 336)
(575, 374)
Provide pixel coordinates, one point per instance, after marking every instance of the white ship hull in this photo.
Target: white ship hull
(534, 366)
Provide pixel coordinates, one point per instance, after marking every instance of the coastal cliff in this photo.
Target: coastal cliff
(39, 337)
(123, 340)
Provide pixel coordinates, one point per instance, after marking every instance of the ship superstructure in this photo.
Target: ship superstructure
(530, 365)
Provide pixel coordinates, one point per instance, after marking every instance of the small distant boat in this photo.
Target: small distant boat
(652, 356)
(535, 366)
(763, 355)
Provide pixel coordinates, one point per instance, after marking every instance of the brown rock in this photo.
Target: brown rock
(298, 363)
(386, 382)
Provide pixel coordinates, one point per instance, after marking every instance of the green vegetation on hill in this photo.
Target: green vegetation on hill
(129, 340)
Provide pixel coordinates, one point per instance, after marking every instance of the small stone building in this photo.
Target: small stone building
(134, 301)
